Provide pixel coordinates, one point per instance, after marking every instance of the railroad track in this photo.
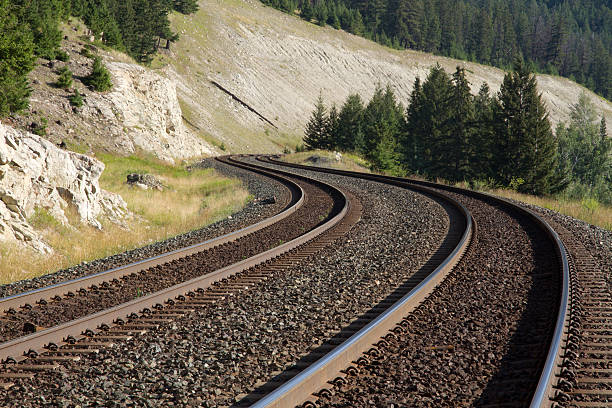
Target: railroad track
(534, 370)
(571, 369)
(317, 215)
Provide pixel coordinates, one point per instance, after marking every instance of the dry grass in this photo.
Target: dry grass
(192, 200)
(348, 161)
(585, 210)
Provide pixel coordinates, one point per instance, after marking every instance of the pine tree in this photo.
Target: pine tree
(455, 147)
(482, 158)
(350, 134)
(333, 124)
(76, 99)
(16, 61)
(382, 121)
(306, 11)
(65, 78)
(526, 147)
(316, 136)
(185, 6)
(410, 140)
(434, 116)
(99, 78)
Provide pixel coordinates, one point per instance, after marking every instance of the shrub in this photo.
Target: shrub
(99, 79)
(65, 78)
(62, 55)
(40, 129)
(76, 99)
(86, 52)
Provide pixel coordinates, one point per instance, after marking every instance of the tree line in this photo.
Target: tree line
(502, 139)
(572, 38)
(31, 28)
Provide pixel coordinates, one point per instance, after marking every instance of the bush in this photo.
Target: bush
(40, 129)
(99, 79)
(76, 99)
(62, 55)
(86, 52)
(65, 78)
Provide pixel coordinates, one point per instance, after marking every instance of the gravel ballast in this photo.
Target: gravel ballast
(225, 349)
(478, 338)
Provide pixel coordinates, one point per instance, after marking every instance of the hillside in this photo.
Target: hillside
(277, 64)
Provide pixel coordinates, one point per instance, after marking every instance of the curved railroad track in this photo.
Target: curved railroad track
(528, 374)
(553, 346)
(83, 315)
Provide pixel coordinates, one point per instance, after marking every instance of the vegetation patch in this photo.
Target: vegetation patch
(191, 200)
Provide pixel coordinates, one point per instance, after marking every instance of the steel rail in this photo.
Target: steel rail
(18, 349)
(73, 285)
(544, 391)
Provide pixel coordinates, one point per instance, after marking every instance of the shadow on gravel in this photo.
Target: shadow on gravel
(515, 382)
(448, 244)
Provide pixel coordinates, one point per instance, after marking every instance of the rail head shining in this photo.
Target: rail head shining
(544, 390)
(18, 348)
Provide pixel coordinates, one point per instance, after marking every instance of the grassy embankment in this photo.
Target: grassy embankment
(586, 210)
(191, 200)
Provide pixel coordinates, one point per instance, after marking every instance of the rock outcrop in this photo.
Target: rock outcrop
(34, 173)
(143, 113)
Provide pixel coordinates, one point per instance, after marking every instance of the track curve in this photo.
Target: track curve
(544, 393)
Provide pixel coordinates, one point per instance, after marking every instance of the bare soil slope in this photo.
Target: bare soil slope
(277, 65)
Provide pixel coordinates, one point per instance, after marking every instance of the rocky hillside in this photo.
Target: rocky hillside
(141, 113)
(275, 65)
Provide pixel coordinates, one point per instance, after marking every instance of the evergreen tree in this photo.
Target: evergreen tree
(454, 148)
(76, 99)
(333, 124)
(99, 78)
(350, 134)
(434, 116)
(16, 61)
(526, 149)
(185, 6)
(483, 135)
(410, 139)
(65, 78)
(316, 136)
(306, 11)
(382, 121)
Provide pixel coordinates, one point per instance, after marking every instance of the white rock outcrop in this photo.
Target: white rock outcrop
(34, 173)
(142, 113)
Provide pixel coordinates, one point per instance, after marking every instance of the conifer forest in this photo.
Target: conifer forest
(493, 140)
(572, 38)
(31, 29)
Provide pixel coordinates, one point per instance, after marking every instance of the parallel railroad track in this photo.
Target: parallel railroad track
(295, 385)
(567, 360)
(314, 220)
(530, 376)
